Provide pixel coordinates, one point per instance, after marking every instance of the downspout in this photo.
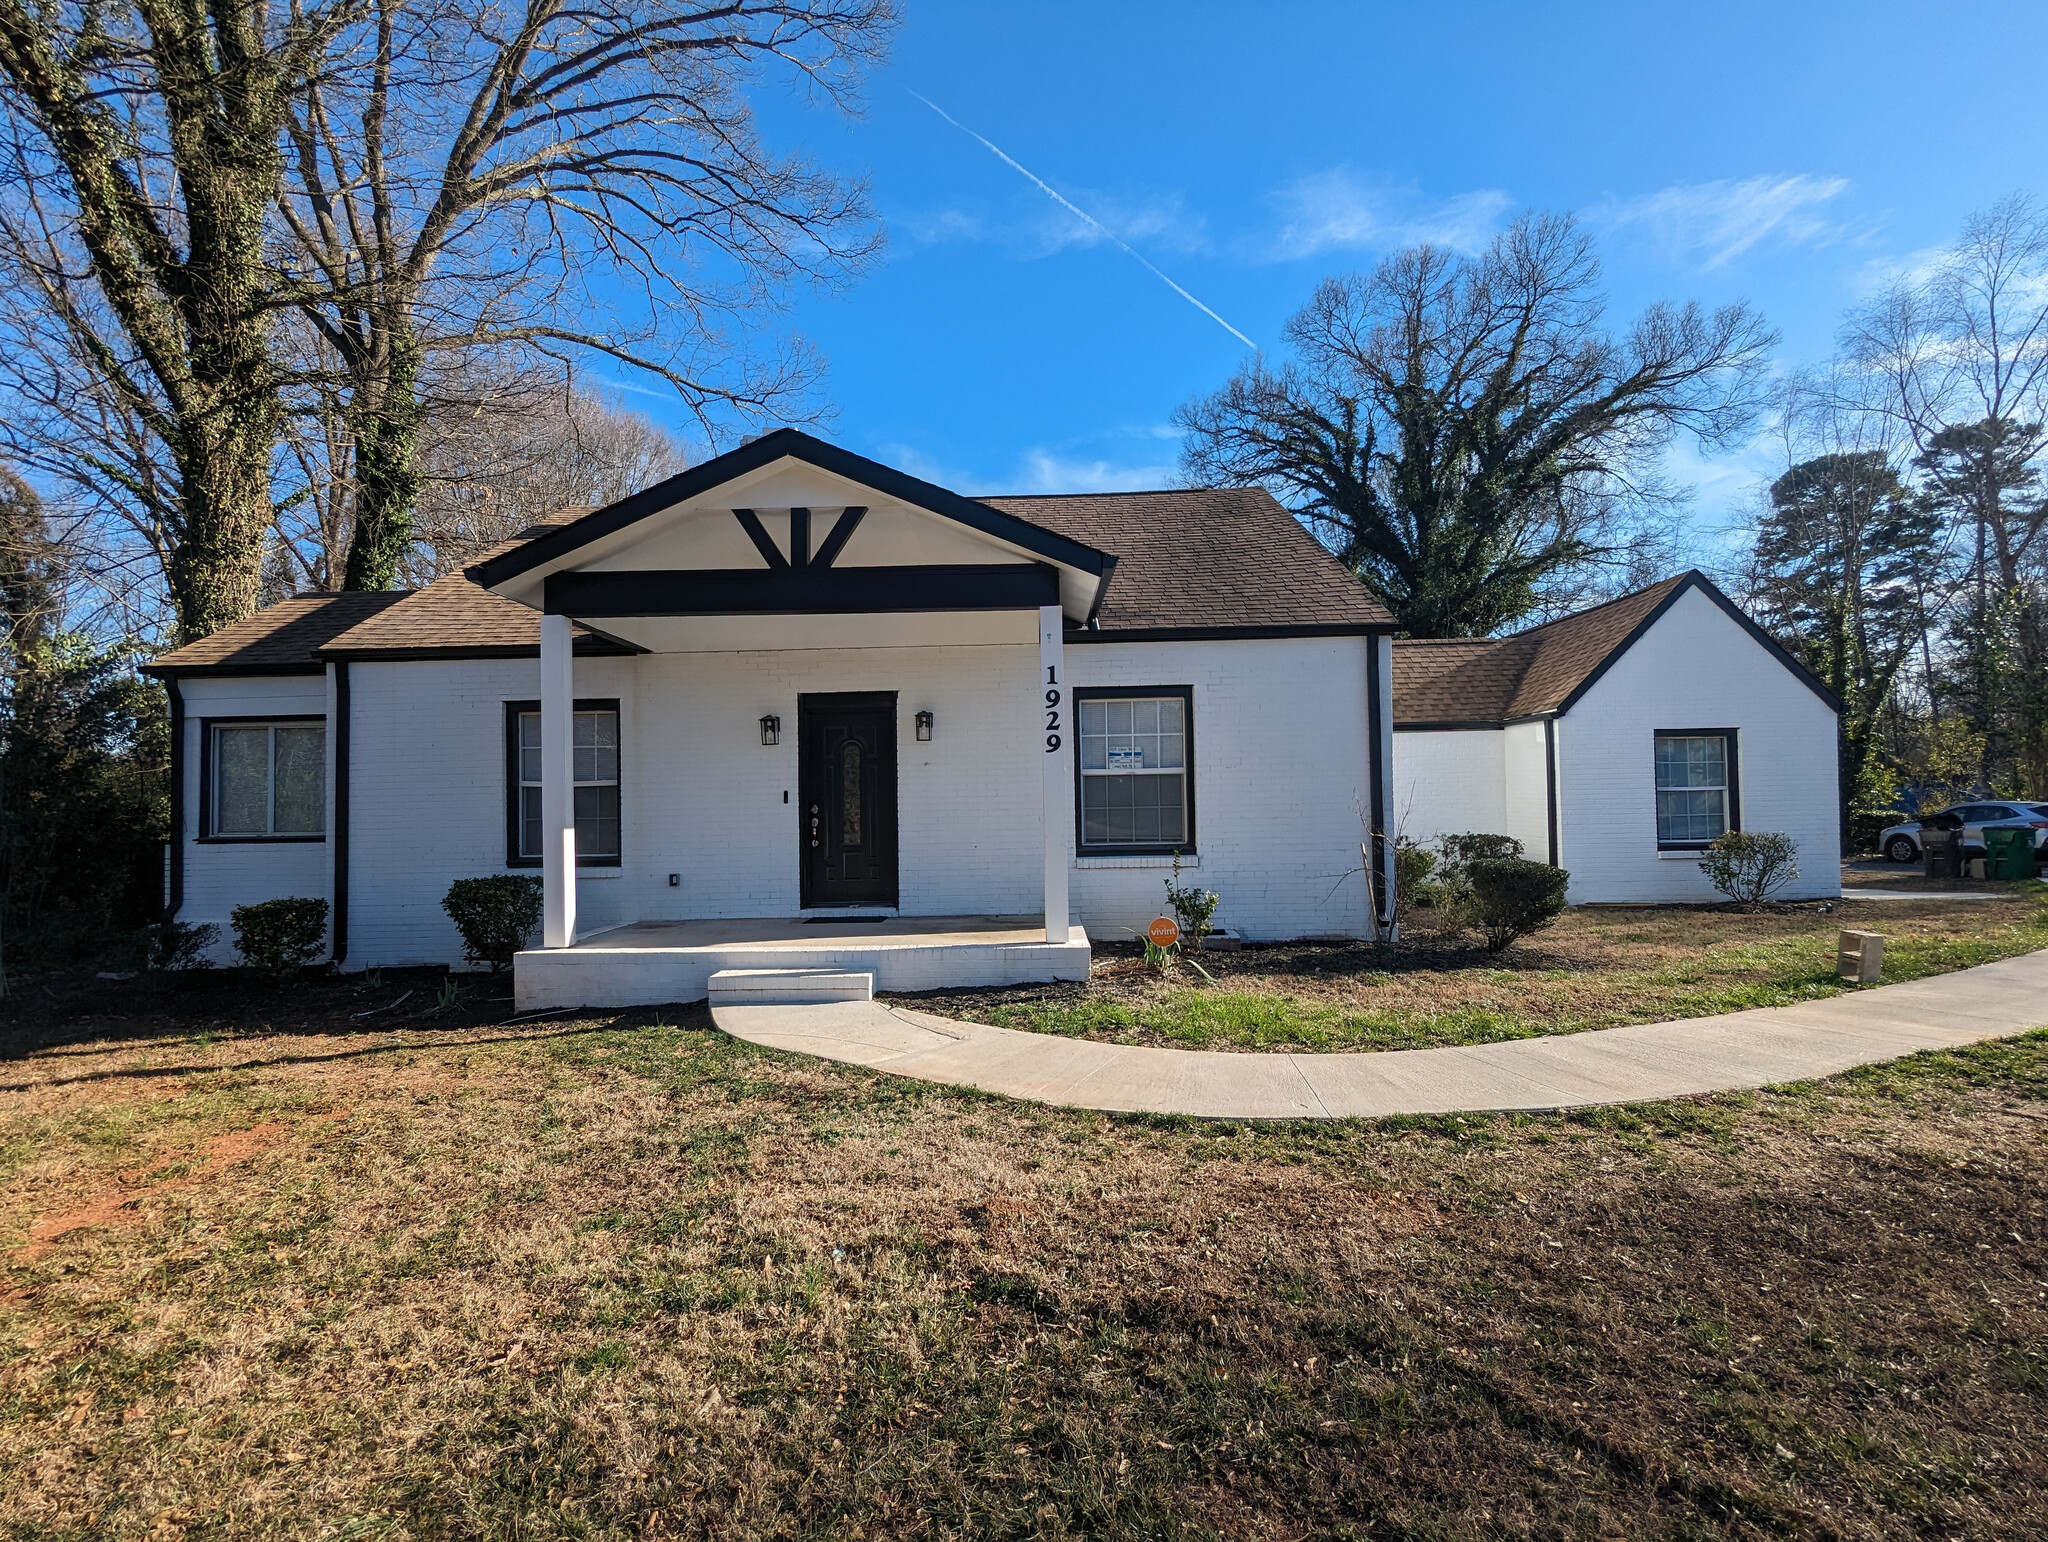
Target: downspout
(175, 899)
(1381, 843)
(1550, 782)
(341, 718)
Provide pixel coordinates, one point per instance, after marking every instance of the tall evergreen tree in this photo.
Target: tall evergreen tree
(1833, 575)
(1984, 476)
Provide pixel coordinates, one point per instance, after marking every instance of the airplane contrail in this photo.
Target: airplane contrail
(1083, 215)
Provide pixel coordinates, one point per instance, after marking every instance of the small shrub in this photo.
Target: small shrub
(1512, 898)
(1414, 872)
(174, 945)
(495, 915)
(281, 936)
(1749, 866)
(1193, 906)
(1449, 894)
(1461, 851)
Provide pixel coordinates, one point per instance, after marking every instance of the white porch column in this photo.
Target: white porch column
(1055, 702)
(558, 780)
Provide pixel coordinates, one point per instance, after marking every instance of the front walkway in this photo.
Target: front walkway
(1636, 1064)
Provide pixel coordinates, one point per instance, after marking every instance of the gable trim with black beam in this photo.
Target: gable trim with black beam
(807, 591)
(769, 448)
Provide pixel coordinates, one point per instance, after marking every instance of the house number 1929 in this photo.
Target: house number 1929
(1052, 710)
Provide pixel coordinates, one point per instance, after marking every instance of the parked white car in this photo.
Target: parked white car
(1903, 843)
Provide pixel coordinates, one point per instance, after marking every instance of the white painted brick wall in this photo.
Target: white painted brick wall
(1525, 795)
(1446, 783)
(218, 877)
(1280, 732)
(1696, 668)
(700, 796)
(1281, 750)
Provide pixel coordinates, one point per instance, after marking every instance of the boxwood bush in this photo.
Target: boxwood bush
(281, 936)
(1512, 897)
(495, 916)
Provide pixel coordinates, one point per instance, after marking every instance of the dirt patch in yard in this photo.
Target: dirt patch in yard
(121, 1203)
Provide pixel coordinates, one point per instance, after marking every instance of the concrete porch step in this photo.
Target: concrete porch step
(765, 987)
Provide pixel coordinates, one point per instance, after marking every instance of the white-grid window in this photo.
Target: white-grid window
(597, 785)
(269, 780)
(1134, 772)
(1695, 788)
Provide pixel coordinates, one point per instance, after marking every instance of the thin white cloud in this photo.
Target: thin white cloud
(1045, 472)
(1717, 222)
(908, 458)
(1337, 210)
(1039, 471)
(1162, 222)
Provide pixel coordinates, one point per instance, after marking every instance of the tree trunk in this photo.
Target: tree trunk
(216, 572)
(387, 435)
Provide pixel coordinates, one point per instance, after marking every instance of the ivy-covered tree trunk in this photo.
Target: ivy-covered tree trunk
(216, 571)
(162, 123)
(387, 424)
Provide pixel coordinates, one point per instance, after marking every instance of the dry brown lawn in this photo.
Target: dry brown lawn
(273, 1271)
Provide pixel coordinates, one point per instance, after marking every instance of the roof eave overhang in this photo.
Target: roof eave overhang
(1276, 632)
(157, 671)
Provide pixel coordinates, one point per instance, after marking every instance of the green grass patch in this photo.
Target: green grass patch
(1260, 1020)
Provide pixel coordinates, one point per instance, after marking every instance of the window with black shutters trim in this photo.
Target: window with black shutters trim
(1697, 801)
(596, 735)
(265, 781)
(1135, 770)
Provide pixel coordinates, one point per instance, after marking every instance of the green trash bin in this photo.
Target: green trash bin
(2008, 853)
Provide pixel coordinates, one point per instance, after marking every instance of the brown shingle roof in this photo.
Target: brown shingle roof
(280, 639)
(1210, 559)
(1217, 562)
(1501, 679)
(454, 618)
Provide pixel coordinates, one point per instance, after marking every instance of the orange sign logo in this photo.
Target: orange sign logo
(1163, 933)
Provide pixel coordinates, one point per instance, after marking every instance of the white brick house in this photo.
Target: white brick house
(1617, 742)
(792, 685)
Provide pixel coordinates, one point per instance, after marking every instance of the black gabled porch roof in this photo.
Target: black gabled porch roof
(795, 445)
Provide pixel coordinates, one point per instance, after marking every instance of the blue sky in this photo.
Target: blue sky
(1789, 154)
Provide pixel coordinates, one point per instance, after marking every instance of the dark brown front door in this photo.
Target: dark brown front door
(846, 768)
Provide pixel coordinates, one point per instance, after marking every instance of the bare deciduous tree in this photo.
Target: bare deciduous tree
(143, 162)
(534, 179)
(1962, 350)
(1464, 433)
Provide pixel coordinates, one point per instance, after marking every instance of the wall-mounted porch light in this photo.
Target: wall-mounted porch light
(924, 725)
(771, 729)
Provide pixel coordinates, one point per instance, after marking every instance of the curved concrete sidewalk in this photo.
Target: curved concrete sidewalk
(1635, 1064)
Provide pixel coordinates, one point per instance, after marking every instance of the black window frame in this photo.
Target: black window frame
(1187, 848)
(513, 709)
(208, 794)
(1730, 750)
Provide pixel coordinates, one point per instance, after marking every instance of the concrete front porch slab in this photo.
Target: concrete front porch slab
(647, 963)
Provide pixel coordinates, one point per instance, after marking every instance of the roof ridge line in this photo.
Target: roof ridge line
(1594, 610)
